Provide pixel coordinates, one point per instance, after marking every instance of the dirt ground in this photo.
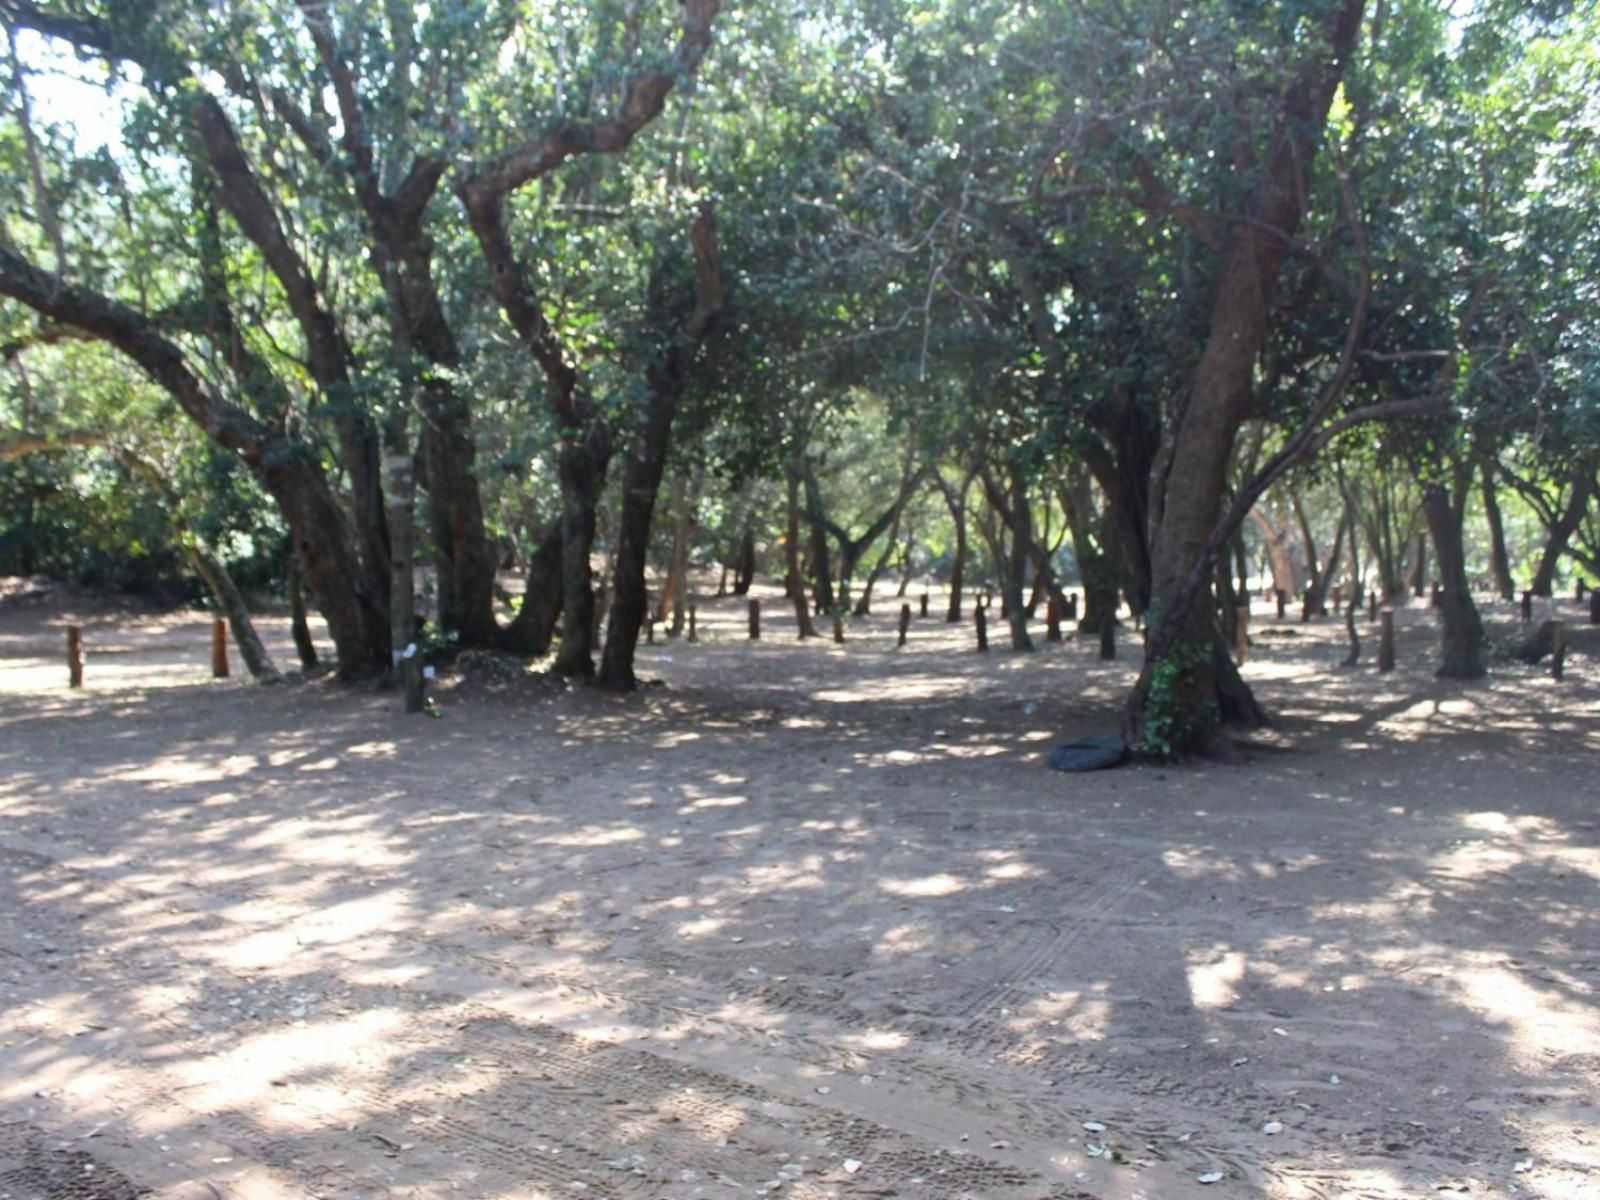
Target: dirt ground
(805, 921)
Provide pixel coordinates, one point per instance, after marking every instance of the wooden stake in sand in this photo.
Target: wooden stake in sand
(905, 623)
(219, 649)
(693, 635)
(1386, 641)
(755, 620)
(980, 620)
(75, 656)
(924, 602)
(1052, 617)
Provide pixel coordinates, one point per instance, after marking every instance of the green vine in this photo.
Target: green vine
(1171, 722)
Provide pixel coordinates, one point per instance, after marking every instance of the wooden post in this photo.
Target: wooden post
(1558, 650)
(1386, 641)
(693, 635)
(924, 603)
(905, 622)
(219, 649)
(75, 656)
(1527, 606)
(1372, 607)
(980, 618)
(1283, 602)
(411, 679)
(1241, 633)
(838, 626)
(1108, 635)
(1052, 617)
(755, 620)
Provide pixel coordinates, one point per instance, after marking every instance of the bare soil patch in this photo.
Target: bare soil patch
(805, 921)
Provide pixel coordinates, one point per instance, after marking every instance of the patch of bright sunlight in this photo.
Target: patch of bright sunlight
(942, 884)
(1214, 976)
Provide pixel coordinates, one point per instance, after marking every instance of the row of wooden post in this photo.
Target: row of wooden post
(980, 616)
(219, 652)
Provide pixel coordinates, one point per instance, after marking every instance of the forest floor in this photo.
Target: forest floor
(808, 920)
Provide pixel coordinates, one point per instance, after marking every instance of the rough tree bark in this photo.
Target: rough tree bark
(1220, 388)
(646, 460)
(1462, 640)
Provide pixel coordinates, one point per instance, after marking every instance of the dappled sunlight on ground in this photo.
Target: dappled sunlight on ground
(810, 921)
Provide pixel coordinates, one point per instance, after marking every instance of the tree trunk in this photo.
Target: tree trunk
(630, 602)
(1560, 533)
(1197, 686)
(956, 501)
(304, 647)
(582, 472)
(1277, 544)
(864, 604)
(791, 555)
(1462, 631)
(1499, 561)
(533, 628)
(744, 568)
(464, 559)
(1017, 567)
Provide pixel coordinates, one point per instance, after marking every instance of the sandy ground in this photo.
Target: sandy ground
(806, 921)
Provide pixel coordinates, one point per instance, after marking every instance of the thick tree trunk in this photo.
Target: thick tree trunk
(1462, 643)
(641, 483)
(1499, 561)
(533, 628)
(464, 559)
(582, 471)
(1195, 689)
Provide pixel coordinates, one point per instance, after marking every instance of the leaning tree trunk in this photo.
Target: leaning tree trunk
(231, 602)
(532, 630)
(864, 603)
(299, 629)
(1187, 683)
(1462, 641)
(1566, 524)
(1499, 560)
